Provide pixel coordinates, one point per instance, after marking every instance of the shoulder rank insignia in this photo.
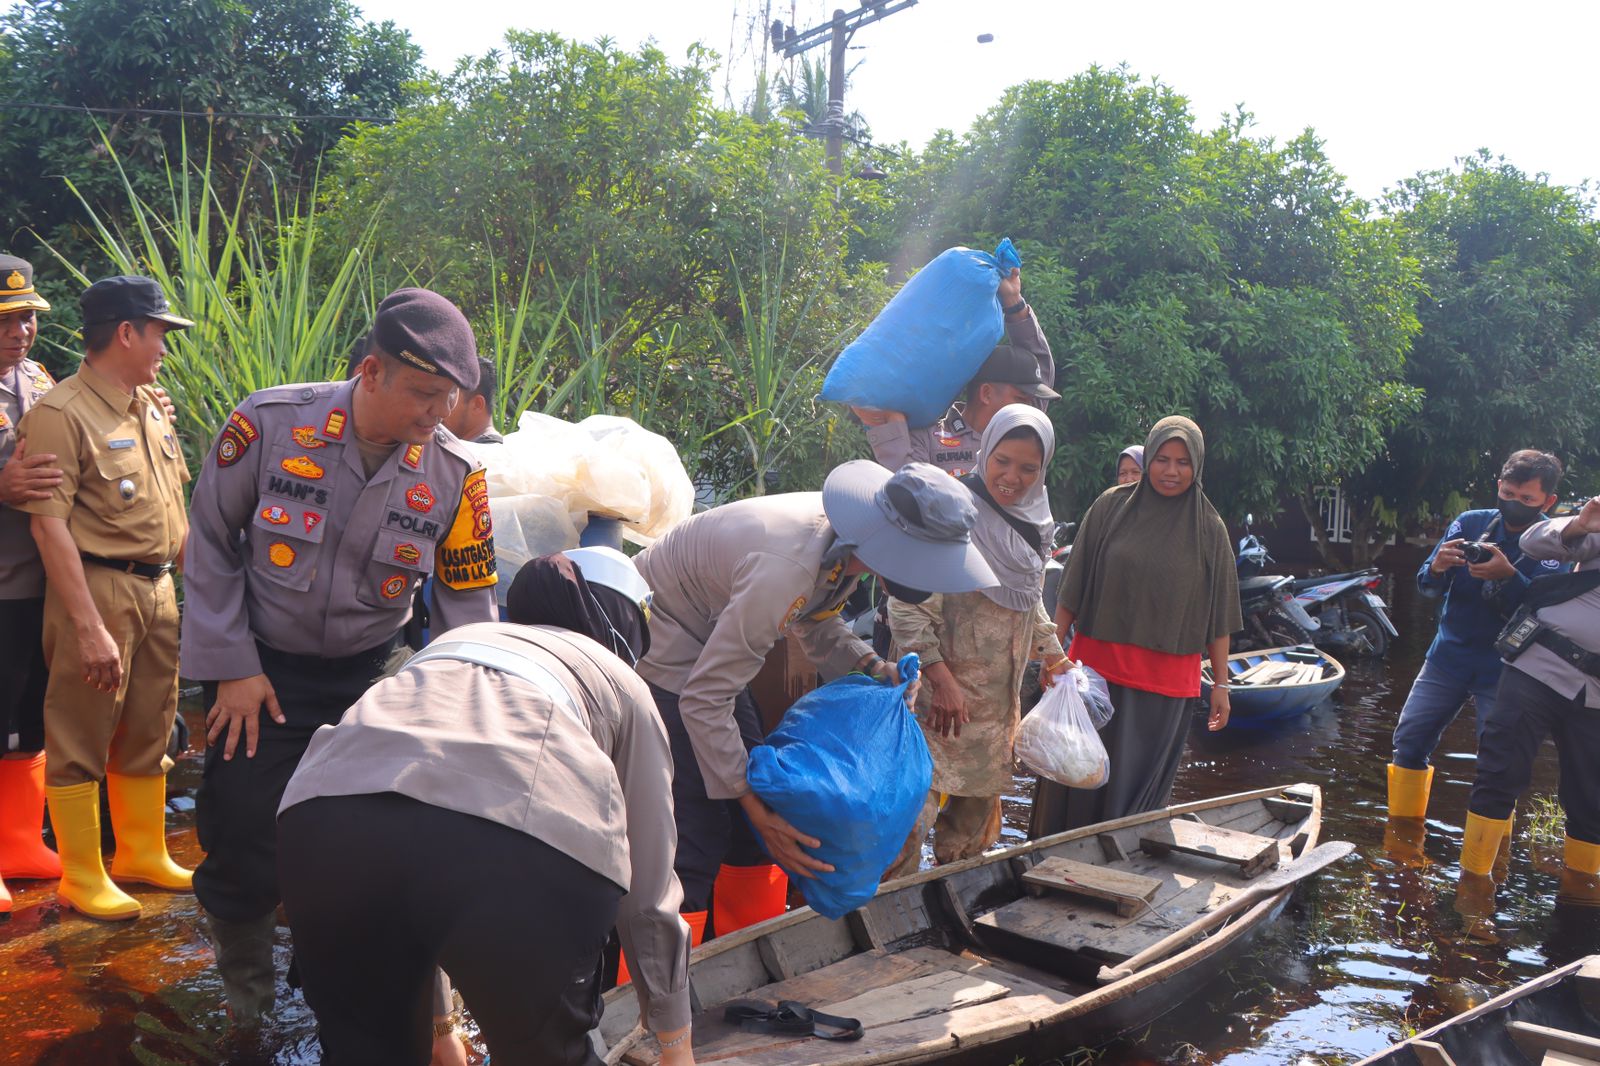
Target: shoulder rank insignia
(279, 553)
(394, 586)
(333, 428)
(302, 466)
(419, 498)
(306, 437)
(413, 457)
(407, 552)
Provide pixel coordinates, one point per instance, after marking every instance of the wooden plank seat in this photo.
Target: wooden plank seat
(1128, 892)
(1248, 851)
(1536, 1040)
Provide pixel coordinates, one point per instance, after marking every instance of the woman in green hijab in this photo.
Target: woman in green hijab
(1151, 587)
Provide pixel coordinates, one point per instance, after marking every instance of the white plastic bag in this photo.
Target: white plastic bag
(1057, 740)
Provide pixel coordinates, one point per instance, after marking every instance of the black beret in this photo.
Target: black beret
(429, 333)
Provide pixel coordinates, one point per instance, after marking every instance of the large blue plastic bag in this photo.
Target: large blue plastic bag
(847, 765)
(928, 341)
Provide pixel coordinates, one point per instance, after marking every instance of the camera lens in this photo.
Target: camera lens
(1474, 552)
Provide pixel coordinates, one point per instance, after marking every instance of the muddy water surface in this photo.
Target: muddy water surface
(1369, 952)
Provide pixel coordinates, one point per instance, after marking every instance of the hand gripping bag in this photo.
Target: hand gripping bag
(847, 765)
(928, 341)
(1057, 740)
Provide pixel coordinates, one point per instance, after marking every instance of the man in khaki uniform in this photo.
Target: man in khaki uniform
(110, 534)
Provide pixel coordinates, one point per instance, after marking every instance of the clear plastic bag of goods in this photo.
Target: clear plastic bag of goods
(1096, 694)
(848, 765)
(605, 465)
(928, 341)
(527, 526)
(1058, 740)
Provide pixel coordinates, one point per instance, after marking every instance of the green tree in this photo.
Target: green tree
(1509, 353)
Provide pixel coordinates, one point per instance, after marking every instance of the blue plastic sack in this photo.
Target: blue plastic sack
(849, 766)
(928, 341)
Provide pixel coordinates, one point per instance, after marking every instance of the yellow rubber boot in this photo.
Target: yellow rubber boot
(139, 819)
(1580, 874)
(1502, 855)
(1481, 843)
(75, 814)
(1408, 791)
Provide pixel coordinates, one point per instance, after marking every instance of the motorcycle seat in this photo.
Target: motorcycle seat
(1259, 584)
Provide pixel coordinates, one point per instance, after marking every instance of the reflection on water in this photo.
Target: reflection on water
(1370, 951)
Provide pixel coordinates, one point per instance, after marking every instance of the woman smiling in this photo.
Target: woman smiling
(1150, 585)
(974, 646)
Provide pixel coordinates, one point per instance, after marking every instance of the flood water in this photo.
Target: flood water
(1369, 952)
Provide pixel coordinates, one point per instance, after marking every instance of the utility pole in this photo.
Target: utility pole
(837, 32)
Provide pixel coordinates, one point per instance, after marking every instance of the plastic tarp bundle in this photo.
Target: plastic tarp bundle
(849, 766)
(1058, 739)
(929, 340)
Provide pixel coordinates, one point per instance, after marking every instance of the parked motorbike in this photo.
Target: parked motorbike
(1340, 612)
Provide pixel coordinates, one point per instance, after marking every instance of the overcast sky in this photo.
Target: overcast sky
(1392, 88)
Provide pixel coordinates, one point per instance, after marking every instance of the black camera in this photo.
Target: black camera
(1475, 551)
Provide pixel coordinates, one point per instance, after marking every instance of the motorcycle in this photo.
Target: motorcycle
(1344, 611)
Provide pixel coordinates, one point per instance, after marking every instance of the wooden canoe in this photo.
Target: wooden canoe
(1553, 1020)
(1310, 676)
(979, 961)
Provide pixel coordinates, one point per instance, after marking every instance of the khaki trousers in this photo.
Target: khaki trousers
(88, 732)
(965, 827)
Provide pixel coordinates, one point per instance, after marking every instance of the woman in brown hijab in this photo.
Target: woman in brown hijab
(1151, 586)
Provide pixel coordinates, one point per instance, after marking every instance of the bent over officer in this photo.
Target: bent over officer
(110, 534)
(23, 477)
(728, 583)
(319, 511)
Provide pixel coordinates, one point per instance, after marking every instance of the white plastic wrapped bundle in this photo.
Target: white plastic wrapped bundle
(1057, 739)
(605, 464)
(527, 526)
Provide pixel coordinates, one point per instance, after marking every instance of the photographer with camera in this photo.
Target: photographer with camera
(1481, 573)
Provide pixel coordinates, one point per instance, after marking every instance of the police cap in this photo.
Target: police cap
(16, 286)
(426, 332)
(1009, 365)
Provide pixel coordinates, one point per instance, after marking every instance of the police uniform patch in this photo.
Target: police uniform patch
(796, 609)
(4, 421)
(247, 429)
(394, 586)
(407, 552)
(306, 437)
(311, 519)
(276, 515)
(838, 569)
(232, 446)
(412, 457)
(1550, 564)
(279, 553)
(333, 428)
(419, 498)
(950, 442)
(301, 466)
(466, 555)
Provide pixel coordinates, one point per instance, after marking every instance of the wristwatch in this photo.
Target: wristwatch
(1016, 308)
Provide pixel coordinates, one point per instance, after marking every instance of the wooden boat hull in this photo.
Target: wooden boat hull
(1558, 1011)
(963, 963)
(1271, 703)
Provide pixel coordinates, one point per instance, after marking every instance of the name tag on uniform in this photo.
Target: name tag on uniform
(120, 443)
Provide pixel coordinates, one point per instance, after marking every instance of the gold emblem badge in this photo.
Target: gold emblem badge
(280, 554)
(302, 466)
(306, 437)
(15, 280)
(394, 586)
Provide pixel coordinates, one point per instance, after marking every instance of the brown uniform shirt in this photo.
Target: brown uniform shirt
(587, 770)
(296, 546)
(122, 471)
(21, 572)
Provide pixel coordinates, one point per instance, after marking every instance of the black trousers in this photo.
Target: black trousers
(711, 832)
(1525, 712)
(382, 888)
(22, 695)
(236, 809)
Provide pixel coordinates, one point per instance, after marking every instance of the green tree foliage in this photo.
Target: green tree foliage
(1509, 353)
(303, 57)
(556, 164)
(1215, 274)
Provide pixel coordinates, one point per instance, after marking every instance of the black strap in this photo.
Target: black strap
(1576, 654)
(148, 571)
(1028, 532)
(1548, 590)
(790, 1018)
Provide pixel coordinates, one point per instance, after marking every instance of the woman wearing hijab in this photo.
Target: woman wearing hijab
(1130, 464)
(493, 810)
(1151, 586)
(974, 646)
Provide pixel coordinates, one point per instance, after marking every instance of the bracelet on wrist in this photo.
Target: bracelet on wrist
(674, 1042)
(1016, 308)
(449, 1025)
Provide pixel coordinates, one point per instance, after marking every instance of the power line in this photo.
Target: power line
(169, 113)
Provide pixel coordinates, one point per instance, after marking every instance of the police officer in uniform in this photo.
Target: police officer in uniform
(110, 534)
(1020, 370)
(727, 584)
(23, 477)
(319, 511)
